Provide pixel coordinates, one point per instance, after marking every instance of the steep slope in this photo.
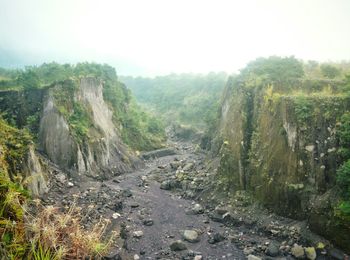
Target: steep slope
(282, 146)
(94, 149)
(78, 123)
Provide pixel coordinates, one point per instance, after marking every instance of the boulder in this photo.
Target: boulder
(253, 257)
(191, 236)
(178, 245)
(298, 251)
(158, 153)
(310, 253)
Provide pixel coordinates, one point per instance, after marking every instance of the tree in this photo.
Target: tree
(29, 79)
(329, 71)
(275, 69)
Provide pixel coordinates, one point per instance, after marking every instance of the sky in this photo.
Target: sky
(155, 37)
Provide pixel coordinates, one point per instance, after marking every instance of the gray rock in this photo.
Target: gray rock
(178, 245)
(253, 257)
(216, 238)
(198, 209)
(148, 222)
(158, 153)
(188, 167)
(310, 253)
(298, 251)
(138, 234)
(272, 250)
(165, 185)
(191, 236)
(127, 193)
(170, 184)
(134, 205)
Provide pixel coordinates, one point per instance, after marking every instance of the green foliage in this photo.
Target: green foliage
(303, 109)
(12, 232)
(29, 79)
(343, 172)
(343, 179)
(280, 71)
(344, 135)
(38, 252)
(183, 98)
(329, 71)
(80, 120)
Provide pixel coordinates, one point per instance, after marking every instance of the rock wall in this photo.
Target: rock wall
(283, 148)
(46, 114)
(100, 155)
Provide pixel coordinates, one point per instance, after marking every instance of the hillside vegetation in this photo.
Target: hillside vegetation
(283, 136)
(138, 129)
(188, 99)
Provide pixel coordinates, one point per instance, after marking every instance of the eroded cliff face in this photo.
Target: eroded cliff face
(101, 153)
(72, 130)
(283, 148)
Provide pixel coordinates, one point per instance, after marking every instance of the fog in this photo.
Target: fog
(161, 36)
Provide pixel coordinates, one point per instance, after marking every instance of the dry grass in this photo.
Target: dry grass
(50, 232)
(62, 233)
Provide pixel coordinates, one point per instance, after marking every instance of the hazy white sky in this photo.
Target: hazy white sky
(162, 36)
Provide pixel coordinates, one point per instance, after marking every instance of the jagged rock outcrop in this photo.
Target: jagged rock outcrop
(101, 153)
(283, 148)
(73, 128)
(37, 173)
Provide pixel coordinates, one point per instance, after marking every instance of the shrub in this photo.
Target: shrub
(50, 233)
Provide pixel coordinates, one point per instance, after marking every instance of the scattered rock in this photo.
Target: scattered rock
(118, 206)
(112, 256)
(116, 215)
(216, 238)
(272, 250)
(191, 236)
(127, 193)
(253, 257)
(165, 185)
(134, 205)
(298, 251)
(198, 209)
(178, 245)
(248, 251)
(198, 257)
(310, 253)
(158, 153)
(188, 167)
(70, 184)
(148, 222)
(138, 234)
(136, 257)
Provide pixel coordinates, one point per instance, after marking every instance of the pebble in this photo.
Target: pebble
(198, 209)
(148, 222)
(298, 251)
(191, 236)
(116, 215)
(253, 257)
(216, 238)
(272, 250)
(310, 253)
(138, 234)
(178, 245)
(136, 257)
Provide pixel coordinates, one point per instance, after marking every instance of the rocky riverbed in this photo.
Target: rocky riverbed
(171, 209)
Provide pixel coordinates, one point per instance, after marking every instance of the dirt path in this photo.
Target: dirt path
(155, 205)
(170, 217)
